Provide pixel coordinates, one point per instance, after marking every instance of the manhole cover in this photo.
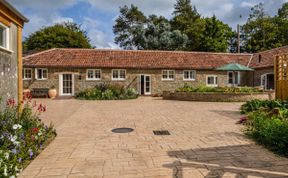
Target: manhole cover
(122, 130)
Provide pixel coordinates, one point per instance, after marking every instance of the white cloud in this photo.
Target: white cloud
(247, 4)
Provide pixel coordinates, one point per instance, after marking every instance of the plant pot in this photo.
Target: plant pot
(52, 93)
(26, 91)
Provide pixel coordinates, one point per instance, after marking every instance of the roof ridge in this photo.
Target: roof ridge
(155, 51)
(286, 46)
(38, 53)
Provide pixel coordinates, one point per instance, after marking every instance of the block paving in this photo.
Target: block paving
(205, 141)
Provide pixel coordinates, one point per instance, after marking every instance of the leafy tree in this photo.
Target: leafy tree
(260, 31)
(282, 23)
(65, 35)
(216, 36)
(159, 36)
(128, 25)
(188, 21)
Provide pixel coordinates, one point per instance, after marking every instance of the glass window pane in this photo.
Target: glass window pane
(39, 73)
(90, 74)
(2, 36)
(171, 74)
(164, 74)
(122, 74)
(186, 75)
(97, 74)
(45, 74)
(115, 74)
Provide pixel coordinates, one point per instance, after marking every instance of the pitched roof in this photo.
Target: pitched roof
(85, 58)
(15, 11)
(266, 58)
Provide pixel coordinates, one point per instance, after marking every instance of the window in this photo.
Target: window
(41, 74)
(189, 74)
(167, 74)
(27, 74)
(234, 78)
(4, 34)
(212, 80)
(93, 74)
(118, 74)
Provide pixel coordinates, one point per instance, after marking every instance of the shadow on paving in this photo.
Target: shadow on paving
(241, 161)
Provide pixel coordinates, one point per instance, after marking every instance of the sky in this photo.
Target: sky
(97, 17)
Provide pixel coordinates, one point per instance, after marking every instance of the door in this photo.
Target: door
(145, 85)
(66, 84)
(270, 82)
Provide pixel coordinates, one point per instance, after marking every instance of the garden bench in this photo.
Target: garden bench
(40, 92)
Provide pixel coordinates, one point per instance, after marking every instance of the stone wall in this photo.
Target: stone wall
(216, 97)
(132, 79)
(9, 69)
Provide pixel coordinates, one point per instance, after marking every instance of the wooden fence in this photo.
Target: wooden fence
(281, 76)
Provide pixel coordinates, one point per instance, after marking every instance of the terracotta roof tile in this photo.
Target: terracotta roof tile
(100, 58)
(266, 58)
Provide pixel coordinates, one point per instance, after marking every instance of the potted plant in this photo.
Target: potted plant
(26, 90)
(52, 92)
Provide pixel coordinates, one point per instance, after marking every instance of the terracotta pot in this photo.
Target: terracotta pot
(52, 93)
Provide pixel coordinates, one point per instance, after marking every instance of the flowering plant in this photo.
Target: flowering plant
(22, 135)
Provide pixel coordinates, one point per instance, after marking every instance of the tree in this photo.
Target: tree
(159, 36)
(188, 21)
(128, 25)
(216, 36)
(282, 23)
(65, 35)
(260, 31)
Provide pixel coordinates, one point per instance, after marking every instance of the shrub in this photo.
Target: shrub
(271, 131)
(255, 105)
(22, 136)
(107, 92)
(203, 88)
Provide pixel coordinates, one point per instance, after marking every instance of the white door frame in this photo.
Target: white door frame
(61, 84)
(264, 85)
(150, 84)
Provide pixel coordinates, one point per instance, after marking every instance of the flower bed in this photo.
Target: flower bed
(107, 92)
(267, 123)
(22, 136)
(210, 94)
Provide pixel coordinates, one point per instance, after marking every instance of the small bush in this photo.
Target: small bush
(22, 136)
(107, 92)
(271, 131)
(203, 88)
(255, 105)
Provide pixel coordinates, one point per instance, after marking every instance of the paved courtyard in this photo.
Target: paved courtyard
(204, 141)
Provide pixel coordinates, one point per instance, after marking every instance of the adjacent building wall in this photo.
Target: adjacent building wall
(259, 72)
(132, 79)
(9, 68)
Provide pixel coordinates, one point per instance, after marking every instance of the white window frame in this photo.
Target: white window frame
(264, 83)
(118, 73)
(168, 75)
(233, 76)
(36, 73)
(24, 74)
(94, 74)
(189, 78)
(6, 38)
(212, 85)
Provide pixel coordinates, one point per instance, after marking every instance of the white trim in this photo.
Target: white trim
(212, 85)
(118, 79)
(168, 79)
(61, 84)
(6, 39)
(261, 80)
(189, 79)
(24, 72)
(233, 78)
(93, 79)
(36, 74)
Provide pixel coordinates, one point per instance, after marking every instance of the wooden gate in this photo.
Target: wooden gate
(281, 77)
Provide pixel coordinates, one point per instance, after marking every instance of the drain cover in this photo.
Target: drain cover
(161, 132)
(122, 130)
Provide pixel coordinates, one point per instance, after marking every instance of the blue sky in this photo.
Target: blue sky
(97, 16)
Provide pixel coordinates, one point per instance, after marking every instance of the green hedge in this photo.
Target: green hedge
(22, 136)
(107, 92)
(203, 88)
(267, 123)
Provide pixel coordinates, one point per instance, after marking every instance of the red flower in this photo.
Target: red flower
(35, 130)
(41, 108)
(11, 102)
(27, 97)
